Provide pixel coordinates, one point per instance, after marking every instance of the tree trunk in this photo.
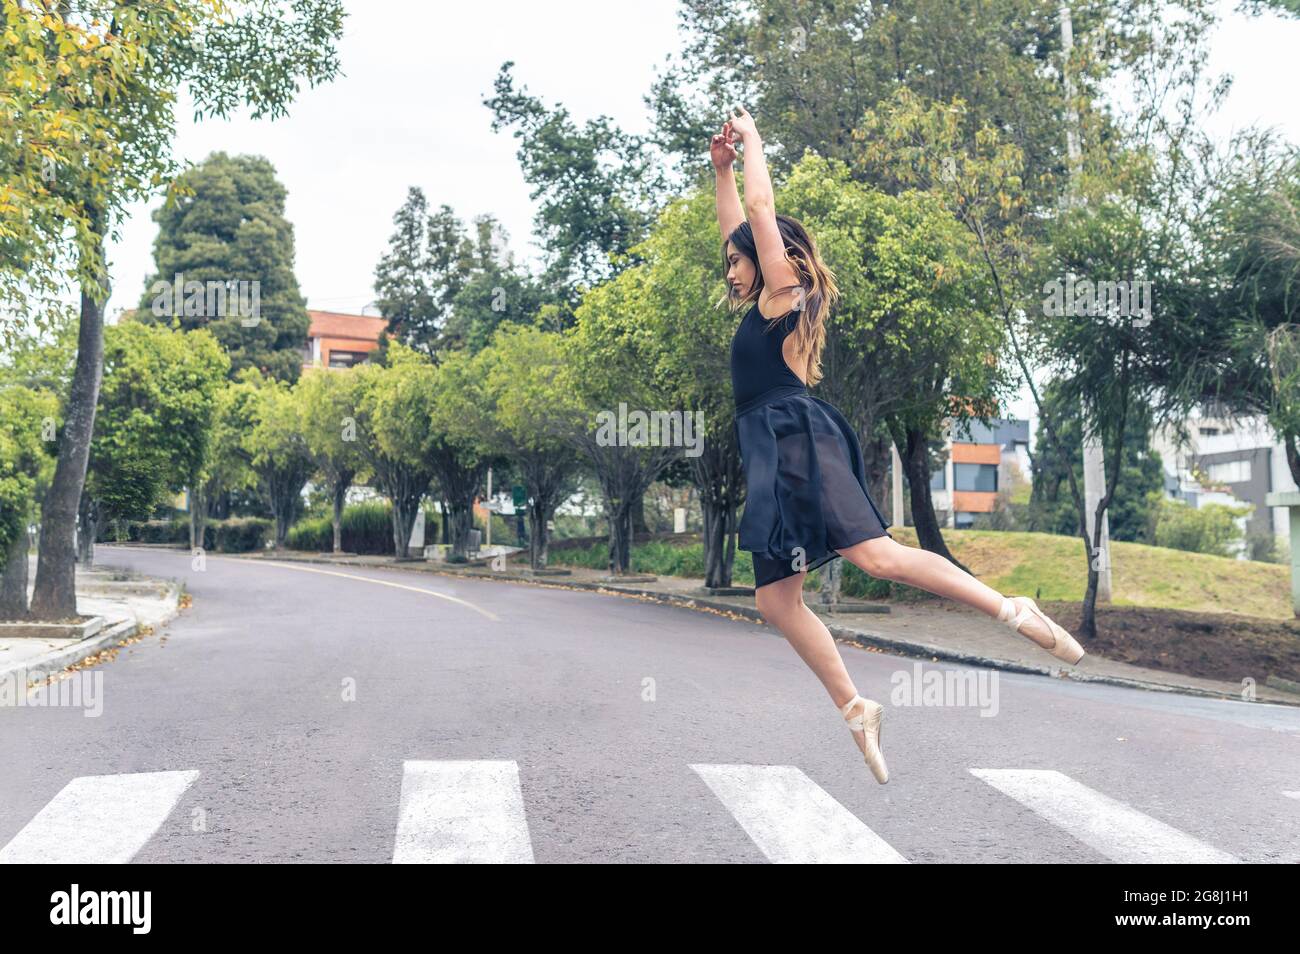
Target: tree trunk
(13, 581)
(620, 540)
(401, 530)
(916, 464)
(638, 515)
(55, 595)
(719, 542)
(340, 497)
(539, 536)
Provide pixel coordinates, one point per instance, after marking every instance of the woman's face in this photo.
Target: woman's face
(740, 272)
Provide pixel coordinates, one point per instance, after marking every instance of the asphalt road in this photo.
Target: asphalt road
(311, 713)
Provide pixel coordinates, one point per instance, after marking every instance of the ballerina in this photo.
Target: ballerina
(807, 501)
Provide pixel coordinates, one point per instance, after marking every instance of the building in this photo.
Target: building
(1227, 459)
(981, 458)
(336, 340)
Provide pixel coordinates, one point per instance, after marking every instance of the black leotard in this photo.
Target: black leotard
(757, 362)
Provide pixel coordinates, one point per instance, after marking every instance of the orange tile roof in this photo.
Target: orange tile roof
(333, 324)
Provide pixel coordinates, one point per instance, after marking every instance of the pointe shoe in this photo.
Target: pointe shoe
(868, 722)
(1065, 647)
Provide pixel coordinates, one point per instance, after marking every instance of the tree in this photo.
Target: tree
(153, 422)
(1133, 511)
(595, 186)
(809, 72)
(277, 450)
(394, 425)
(529, 414)
(687, 335)
(226, 464)
(1256, 251)
(224, 261)
(92, 92)
(327, 403)
(458, 447)
(409, 294)
(28, 416)
(914, 341)
(495, 291)
(611, 354)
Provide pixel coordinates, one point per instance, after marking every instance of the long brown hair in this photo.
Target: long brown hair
(815, 277)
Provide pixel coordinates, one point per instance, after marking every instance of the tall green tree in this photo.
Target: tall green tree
(596, 187)
(224, 229)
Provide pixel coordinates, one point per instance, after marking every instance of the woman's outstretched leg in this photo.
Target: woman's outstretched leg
(887, 559)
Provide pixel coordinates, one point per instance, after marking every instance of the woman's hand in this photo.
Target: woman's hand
(742, 124)
(722, 149)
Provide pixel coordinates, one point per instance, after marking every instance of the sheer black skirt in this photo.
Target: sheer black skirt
(806, 488)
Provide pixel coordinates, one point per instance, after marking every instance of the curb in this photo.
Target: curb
(868, 640)
(110, 636)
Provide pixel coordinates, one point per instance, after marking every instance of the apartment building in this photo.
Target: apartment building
(980, 461)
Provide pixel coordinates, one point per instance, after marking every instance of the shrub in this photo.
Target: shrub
(366, 528)
(238, 534)
(1210, 529)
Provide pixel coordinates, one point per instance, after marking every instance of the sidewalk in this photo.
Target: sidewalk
(940, 631)
(130, 604)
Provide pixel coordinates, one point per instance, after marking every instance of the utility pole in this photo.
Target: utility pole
(896, 482)
(1094, 465)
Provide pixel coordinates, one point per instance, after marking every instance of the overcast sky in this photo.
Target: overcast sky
(408, 111)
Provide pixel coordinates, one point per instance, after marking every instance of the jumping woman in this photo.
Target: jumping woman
(807, 501)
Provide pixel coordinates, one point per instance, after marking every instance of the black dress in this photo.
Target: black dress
(806, 487)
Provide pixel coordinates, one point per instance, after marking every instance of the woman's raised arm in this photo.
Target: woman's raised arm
(780, 279)
(723, 153)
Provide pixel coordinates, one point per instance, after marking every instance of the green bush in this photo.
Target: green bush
(366, 528)
(238, 534)
(1210, 529)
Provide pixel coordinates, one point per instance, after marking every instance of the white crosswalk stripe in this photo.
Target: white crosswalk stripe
(1109, 827)
(98, 819)
(792, 819)
(462, 812)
